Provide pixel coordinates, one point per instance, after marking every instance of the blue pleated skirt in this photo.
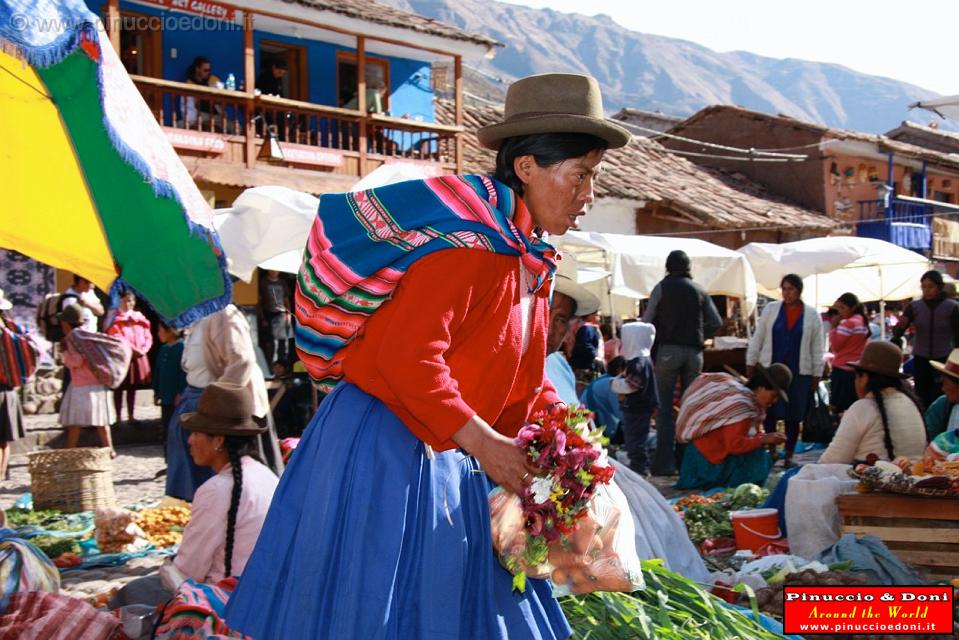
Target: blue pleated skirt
(369, 538)
(183, 476)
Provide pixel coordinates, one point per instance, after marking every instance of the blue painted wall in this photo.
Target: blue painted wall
(410, 82)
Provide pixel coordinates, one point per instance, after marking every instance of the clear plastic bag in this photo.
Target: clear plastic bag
(600, 555)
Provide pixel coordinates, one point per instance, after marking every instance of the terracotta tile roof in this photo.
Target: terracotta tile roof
(883, 143)
(646, 171)
(926, 137)
(372, 11)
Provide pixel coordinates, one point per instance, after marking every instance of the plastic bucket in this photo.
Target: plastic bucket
(755, 528)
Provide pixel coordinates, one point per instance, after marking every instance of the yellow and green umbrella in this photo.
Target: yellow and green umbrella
(90, 183)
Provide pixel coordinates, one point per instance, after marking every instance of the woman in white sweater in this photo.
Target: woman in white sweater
(886, 419)
(789, 332)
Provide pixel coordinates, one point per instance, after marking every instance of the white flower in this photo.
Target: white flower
(542, 488)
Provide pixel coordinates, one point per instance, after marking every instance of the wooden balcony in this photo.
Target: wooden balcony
(222, 133)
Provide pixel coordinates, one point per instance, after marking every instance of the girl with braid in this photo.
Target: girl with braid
(228, 509)
(886, 420)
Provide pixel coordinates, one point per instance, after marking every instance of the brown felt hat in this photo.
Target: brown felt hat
(224, 409)
(880, 357)
(554, 103)
(778, 376)
(72, 314)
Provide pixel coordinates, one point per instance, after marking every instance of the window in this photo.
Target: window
(377, 83)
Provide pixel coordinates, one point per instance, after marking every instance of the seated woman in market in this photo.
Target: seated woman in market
(721, 418)
(886, 420)
(228, 509)
(943, 414)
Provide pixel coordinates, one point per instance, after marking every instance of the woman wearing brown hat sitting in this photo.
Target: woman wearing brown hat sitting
(228, 509)
(721, 417)
(886, 420)
(429, 300)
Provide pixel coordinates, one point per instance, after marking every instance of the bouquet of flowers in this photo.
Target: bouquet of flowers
(566, 522)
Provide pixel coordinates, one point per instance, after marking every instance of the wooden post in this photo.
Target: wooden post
(249, 82)
(458, 102)
(113, 23)
(361, 99)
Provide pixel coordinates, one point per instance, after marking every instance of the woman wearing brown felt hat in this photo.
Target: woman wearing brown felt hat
(886, 420)
(433, 385)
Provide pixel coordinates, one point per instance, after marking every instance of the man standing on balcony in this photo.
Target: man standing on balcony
(270, 80)
(684, 315)
(936, 321)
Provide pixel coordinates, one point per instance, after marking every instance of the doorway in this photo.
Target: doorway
(295, 83)
(141, 50)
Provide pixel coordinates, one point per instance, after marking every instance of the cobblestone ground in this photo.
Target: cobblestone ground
(134, 480)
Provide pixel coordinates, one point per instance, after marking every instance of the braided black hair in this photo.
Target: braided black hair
(876, 383)
(236, 448)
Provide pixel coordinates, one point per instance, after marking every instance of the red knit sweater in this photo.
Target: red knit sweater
(448, 346)
(728, 441)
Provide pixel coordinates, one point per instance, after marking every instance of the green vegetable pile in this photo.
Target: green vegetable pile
(707, 521)
(670, 608)
(54, 547)
(17, 517)
(745, 496)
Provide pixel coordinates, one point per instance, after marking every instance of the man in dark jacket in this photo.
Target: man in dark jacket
(684, 316)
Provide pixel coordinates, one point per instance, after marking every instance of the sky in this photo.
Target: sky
(881, 37)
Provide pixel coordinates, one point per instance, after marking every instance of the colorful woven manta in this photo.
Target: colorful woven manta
(362, 243)
(716, 400)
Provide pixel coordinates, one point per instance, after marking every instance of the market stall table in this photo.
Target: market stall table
(921, 531)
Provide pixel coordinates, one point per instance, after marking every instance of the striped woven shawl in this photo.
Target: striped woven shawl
(108, 357)
(18, 354)
(715, 400)
(362, 243)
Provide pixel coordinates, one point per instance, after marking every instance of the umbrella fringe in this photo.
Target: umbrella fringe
(52, 53)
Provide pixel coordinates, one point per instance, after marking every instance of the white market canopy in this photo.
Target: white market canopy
(637, 263)
(871, 269)
(947, 107)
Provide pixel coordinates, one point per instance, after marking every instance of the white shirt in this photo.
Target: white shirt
(89, 297)
(194, 360)
(201, 555)
(860, 432)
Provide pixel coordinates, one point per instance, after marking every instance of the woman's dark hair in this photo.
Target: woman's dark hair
(876, 382)
(851, 301)
(794, 280)
(547, 149)
(934, 277)
(616, 366)
(236, 447)
(197, 61)
(606, 331)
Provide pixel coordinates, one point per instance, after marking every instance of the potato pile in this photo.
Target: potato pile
(117, 531)
(770, 599)
(164, 525)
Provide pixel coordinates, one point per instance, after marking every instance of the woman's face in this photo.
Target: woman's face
(845, 311)
(790, 293)
(766, 397)
(127, 303)
(930, 290)
(205, 449)
(862, 382)
(558, 195)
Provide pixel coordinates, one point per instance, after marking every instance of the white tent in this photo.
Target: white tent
(871, 269)
(267, 227)
(947, 107)
(636, 263)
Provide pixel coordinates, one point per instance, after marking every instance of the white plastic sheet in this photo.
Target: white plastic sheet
(812, 517)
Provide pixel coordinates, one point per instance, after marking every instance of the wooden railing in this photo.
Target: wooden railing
(240, 115)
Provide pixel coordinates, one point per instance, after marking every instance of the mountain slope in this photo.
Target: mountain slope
(674, 76)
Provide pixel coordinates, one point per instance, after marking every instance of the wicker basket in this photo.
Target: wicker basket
(72, 480)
